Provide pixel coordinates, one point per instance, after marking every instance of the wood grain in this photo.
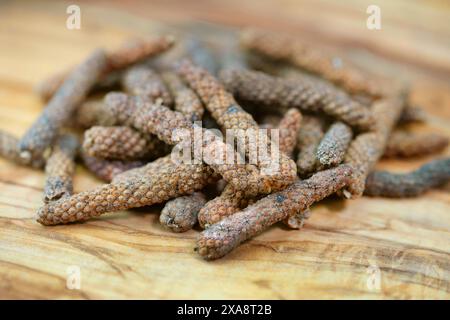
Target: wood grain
(129, 255)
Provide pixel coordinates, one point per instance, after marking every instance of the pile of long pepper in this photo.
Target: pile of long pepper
(117, 112)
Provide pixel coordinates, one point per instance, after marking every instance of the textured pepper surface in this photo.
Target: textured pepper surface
(146, 83)
(289, 127)
(63, 104)
(9, 149)
(180, 214)
(121, 143)
(332, 148)
(60, 168)
(411, 184)
(365, 150)
(224, 236)
(299, 92)
(106, 170)
(167, 181)
(282, 47)
(309, 136)
(186, 101)
(404, 144)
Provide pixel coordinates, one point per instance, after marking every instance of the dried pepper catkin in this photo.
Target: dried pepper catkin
(131, 51)
(289, 127)
(60, 168)
(146, 83)
(309, 136)
(299, 92)
(411, 184)
(222, 237)
(9, 149)
(332, 147)
(161, 121)
(365, 150)
(180, 214)
(121, 143)
(93, 113)
(106, 170)
(186, 101)
(165, 180)
(63, 104)
(406, 144)
(291, 49)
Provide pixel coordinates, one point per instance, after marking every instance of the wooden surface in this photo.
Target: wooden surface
(344, 245)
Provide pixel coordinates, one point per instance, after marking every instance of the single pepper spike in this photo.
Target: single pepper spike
(62, 106)
(106, 170)
(289, 127)
(230, 116)
(282, 47)
(121, 143)
(166, 181)
(411, 184)
(404, 144)
(60, 168)
(309, 136)
(305, 93)
(9, 149)
(146, 83)
(332, 148)
(222, 237)
(186, 101)
(130, 52)
(93, 113)
(159, 120)
(180, 214)
(365, 150)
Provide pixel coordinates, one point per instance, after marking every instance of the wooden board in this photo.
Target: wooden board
(366, 248)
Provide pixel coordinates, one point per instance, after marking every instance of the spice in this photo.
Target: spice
(165, 181)
(146, 83)
(222, 237)
(60, 168)
(106, 170)
(314, 60)
(186, 101)
(289, 127)
(406, 144)
(299, 92)
(93, 113)
(365, 150)
(180, 214)
(411, 114)
(121, 143)
(62, 106)
(131, 51)
(411, 184)
(9, 149)
(332, 147)
(309, 136)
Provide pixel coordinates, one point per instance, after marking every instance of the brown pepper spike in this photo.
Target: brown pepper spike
(63, 104)
(404, 144)
(161, 121)
(282, 47)
(222, 237)
(365, 150)
(131, 52)
(332, 148)
(180, 214)
(93, 113)
(230, 116)
(146, 83)
(305, 93)
(60, 168)
(106, 170)
(186, 101)
(411, 184)
(309, 136)
(167, 180)
(289, 127)
(9, 149)
(120, 143)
